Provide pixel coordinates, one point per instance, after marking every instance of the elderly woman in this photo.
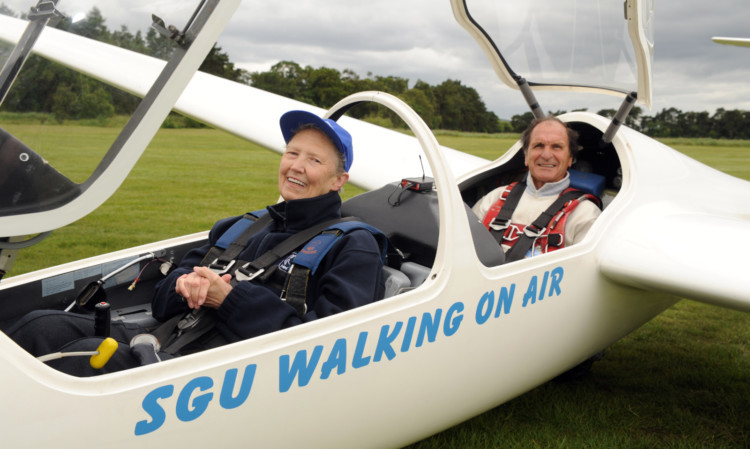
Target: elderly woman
(313, 169)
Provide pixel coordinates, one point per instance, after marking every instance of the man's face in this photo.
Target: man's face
(548, 156)
(308, 166)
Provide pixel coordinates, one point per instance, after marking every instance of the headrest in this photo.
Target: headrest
(592, 183)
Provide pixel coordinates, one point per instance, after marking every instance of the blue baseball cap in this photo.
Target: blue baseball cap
(292, 121)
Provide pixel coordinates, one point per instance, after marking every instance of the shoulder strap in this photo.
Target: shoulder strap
(235, 232)
(501, 222)
(312, 254)
(233, 241)
(183, 329)
(262, 265)
(307, 261)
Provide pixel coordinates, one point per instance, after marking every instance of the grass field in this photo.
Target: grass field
(681, 381)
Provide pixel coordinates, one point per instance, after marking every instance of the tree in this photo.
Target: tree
(392, 84)
(35, 86)
(325, 87)
(695, 124)
(218, 63)
(634, 118)
(505, 126)
(732, 124)
(450, 105)
(124, 39)
(4, 10)
(92, 26)
(521, 122)
(44, 86)
(461, 108)
(158, 46)
(422, 99)
(62, 102)
(285, 79)
(609, 113)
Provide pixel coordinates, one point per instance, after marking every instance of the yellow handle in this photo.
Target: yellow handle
(104, 352)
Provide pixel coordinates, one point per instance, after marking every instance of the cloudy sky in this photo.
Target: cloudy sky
(420, 40)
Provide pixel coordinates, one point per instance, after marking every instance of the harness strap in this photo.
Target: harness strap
(500, 223)
(295, 292)
(531, 232)
(165, 329)
(307, 261)
(224, 254)
(189, 328)
(181, 330)
(264, 266)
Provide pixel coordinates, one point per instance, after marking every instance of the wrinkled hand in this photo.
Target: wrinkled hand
(203, 287)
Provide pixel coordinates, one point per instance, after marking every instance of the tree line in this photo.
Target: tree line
(671, 122)
(449, 105)
(48, 87)
(45, 86)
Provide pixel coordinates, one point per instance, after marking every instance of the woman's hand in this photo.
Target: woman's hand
(203, 287)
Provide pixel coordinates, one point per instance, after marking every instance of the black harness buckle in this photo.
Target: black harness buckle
(220, 266)
(244, 274)
(533, 231)
(499, 225)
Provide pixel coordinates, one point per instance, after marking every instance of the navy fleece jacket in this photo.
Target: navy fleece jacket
(349, 276)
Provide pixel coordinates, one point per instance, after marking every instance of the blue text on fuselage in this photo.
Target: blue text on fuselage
(195, 397)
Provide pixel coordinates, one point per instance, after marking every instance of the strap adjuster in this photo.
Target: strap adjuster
(188, 321)
(499, 225)
(533, 232)
(244, 274)
(220, 267)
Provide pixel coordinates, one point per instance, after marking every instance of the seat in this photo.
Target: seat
(395, 281)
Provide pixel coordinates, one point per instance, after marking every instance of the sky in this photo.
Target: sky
(420, 40)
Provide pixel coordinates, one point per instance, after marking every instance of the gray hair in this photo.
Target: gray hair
(340, 158)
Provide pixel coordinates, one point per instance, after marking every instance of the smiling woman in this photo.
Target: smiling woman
(208, 286)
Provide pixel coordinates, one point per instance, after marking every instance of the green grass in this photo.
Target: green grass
(215, 175)
(488, 146)
(729, 159)
(681, 381)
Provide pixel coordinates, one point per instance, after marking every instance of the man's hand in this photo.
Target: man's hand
(203, 287)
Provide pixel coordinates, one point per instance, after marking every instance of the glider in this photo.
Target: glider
(463, 333)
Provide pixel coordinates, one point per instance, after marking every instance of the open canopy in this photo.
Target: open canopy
(34, 196)
(583, 45)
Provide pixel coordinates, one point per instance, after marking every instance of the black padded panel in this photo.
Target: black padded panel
(411, 221)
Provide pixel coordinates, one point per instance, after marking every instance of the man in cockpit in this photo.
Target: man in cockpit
(313, 169)
(540, 213)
